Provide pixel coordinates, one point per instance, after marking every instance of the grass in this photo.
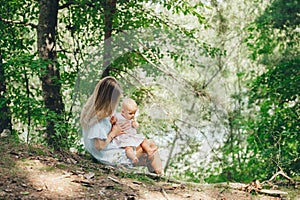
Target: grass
(117, 187)
(139, 177)
(61, 166)
(36, 151)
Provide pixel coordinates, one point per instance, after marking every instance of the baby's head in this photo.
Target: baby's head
(129, 108)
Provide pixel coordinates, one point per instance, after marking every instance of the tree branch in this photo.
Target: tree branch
(8, 21)
(172, 147)
(71, 2)
(149, 93)
(281, 172)
(205, 137)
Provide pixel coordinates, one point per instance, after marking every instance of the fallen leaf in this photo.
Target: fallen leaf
(89, 175)
(8, 190)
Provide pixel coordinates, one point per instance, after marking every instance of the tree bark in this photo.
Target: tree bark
(109, 8)
(5, 118)
(50, 76)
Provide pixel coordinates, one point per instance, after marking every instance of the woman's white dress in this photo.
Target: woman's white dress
(112, 154)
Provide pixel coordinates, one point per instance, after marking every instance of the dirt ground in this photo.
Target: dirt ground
(28, 172)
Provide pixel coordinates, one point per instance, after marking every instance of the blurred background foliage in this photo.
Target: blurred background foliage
(217, 82)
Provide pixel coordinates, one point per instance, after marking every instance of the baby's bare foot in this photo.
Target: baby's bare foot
(135, 160)
(152, 152)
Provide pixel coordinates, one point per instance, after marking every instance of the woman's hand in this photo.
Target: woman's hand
(113, 120)
(116, 130)
(124, 125)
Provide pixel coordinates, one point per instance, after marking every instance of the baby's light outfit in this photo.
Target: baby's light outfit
(130, 137)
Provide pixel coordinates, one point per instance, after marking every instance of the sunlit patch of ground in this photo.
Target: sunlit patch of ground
(50, 180)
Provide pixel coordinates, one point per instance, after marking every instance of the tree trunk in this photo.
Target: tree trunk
(172, 149)
(5, 119)
(109, 8)
(50, 73)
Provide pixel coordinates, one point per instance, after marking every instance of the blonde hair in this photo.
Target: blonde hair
(101, 103)
(129, 103)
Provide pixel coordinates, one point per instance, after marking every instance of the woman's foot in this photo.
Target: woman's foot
(159, 172)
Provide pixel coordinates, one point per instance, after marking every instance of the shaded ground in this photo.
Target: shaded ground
(36, 173)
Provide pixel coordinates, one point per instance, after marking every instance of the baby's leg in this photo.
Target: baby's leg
(130, 154)
(153, 163)
(148, 148)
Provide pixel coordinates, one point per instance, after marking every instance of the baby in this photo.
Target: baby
(131, 139)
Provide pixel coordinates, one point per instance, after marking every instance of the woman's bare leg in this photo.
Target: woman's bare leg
(154, 164)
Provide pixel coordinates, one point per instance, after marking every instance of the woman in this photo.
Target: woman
(98, 132)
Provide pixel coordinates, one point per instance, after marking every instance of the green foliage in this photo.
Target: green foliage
(80, 34)
(23, 69)
(273, 138)
(265, 135)
(281, 14)
(68, 136)
(80, 26)
(275, 132)
(182, 162)
(20, 66)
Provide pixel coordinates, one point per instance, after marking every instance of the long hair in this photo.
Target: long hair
(101, 103)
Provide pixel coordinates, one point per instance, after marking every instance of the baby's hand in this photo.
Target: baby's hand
(135, 124)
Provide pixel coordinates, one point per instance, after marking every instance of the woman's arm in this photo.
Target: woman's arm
(101, 144)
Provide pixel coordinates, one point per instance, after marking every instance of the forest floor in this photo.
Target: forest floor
(34, 172)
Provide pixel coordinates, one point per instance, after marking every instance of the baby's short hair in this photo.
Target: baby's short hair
(129, 103)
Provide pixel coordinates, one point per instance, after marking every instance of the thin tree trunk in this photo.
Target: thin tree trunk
(109, 8)
(50, 72)
(231, 136)
(5, 119)
(171, 152)
(28, 105)
(172, 148)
